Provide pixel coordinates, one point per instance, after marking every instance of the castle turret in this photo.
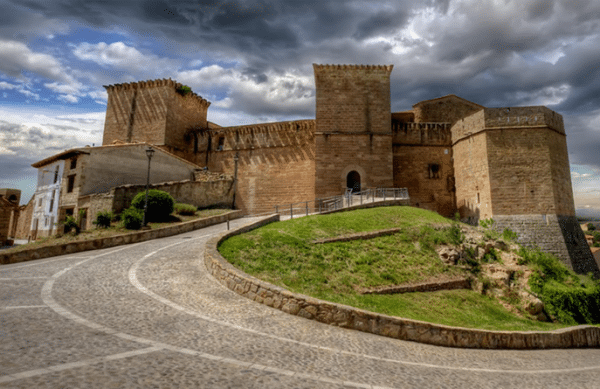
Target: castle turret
(512, 165)
(353, 142)
(159, 112)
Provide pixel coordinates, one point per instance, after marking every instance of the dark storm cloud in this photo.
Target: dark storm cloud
(496, 53)
(382, 22)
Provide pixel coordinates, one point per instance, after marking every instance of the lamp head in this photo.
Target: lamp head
(149, 152)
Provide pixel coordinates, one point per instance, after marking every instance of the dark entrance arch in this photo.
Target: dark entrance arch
(353, 181)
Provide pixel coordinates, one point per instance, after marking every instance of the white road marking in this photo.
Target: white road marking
(27, 307)
(74, 365)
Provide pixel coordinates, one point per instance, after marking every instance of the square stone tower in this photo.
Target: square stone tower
(353, 138)
(159, 112)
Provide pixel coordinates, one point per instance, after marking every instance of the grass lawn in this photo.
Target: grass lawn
(283, 253)
(115, 229)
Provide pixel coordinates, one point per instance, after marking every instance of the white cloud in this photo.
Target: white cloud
(271, 93)
(69, 98)
(21, 88)
(16, 58)
(121, 56)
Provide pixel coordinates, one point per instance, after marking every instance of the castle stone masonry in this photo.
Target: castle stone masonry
(453, 155)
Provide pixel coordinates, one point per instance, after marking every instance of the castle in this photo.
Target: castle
(453, 155)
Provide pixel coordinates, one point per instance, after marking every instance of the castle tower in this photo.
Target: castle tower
(353, 139)
(512, 165)
(159, 112)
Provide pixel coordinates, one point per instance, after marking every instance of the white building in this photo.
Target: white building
(45, 200)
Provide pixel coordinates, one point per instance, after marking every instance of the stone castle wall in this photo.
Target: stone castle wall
(24, 223)
(416, 148)
(276, 162)
(471, 169)
(448, 109)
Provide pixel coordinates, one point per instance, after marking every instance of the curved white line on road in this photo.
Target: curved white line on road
(135, 282)
(154, 345)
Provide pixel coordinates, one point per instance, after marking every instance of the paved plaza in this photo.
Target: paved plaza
(148, 315)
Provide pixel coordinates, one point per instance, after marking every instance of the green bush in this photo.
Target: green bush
(71, 224)
(492, 256)
(185, 209)
(160, 204)
(455, 234)
(564, 295)
(184, 90)
(132, 218)
(591, 227)
(509, 235)
(572, 304)
(103, 219)
(486, 223)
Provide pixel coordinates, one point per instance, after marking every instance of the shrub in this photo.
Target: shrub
(486, 223)
(509, 235)
(185, 209)
(71, 224)
(492, 256)
(564, 295)
(591, 227)
(184, 90)
(132, 218)
(160, 204)
(103, 219)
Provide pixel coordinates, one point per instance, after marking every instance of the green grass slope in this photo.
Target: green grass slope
(283, 254)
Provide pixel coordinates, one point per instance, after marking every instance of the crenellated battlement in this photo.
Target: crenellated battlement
(155, 84)
(523, 117)
(425, 134)
(264, 135)
(337, 68)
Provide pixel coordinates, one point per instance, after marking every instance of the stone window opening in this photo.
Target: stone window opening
(221, 143)
(478, 198)
(56, 174)
(195, 135)
(71, 183)
(434, 170)
(52, 202)
(73, 163)
(353, 181)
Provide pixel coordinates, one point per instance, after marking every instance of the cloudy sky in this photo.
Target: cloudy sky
(253, 61)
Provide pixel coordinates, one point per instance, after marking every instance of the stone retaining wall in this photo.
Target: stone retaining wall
(358, 236)
(118, 240)
(462, 283)
(379, 324)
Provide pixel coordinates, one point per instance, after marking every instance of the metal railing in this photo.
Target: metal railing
(348, 199)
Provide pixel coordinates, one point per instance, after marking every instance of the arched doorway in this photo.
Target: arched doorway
(353, 181)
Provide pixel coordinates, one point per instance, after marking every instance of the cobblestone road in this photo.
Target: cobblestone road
(149, 316)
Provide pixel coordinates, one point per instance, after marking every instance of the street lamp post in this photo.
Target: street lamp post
(235, 159)
(149, 154)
